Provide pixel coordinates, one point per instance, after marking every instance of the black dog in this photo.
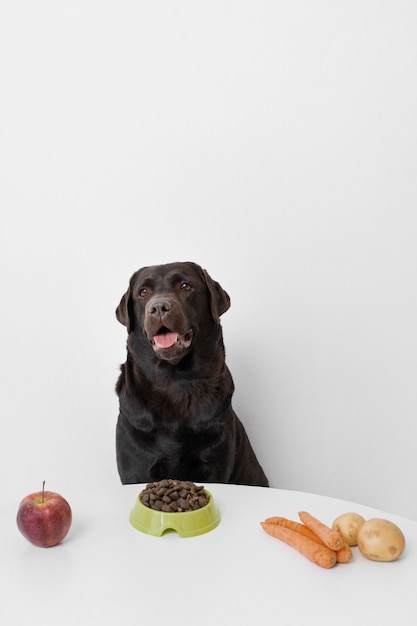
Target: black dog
(175, 390)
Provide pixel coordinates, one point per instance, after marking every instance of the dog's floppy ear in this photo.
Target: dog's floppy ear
(219, 298)
(124, 310)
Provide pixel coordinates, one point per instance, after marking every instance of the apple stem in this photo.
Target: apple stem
(43, 490)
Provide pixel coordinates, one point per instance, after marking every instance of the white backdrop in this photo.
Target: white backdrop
(272, 142)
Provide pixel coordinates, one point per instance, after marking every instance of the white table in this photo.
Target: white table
(107, 572)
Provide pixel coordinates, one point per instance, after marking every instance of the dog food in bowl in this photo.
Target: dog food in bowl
(175, 505)
(174, 496)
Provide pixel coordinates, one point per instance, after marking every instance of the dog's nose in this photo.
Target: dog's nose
(159, 308)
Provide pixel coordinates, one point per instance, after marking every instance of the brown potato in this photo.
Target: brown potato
(380, 540)
(348, 525)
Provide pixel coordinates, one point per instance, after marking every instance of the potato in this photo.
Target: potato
(348, 525)
(380, 540)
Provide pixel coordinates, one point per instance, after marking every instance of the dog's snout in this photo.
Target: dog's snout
(159, 308)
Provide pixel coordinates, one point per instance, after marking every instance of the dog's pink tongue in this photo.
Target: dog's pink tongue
(165, 340)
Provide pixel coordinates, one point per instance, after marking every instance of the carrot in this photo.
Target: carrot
(296, 526)
(319, 554)
(331, 538)
(343, 555)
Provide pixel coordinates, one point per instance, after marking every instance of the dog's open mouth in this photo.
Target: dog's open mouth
(167, 339)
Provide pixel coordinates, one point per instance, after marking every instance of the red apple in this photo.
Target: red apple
(44, 518)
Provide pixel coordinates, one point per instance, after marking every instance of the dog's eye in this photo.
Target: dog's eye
(185, 286)
(143, 292)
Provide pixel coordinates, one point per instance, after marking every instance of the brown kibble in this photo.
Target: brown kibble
(174, 496)
(183, 504)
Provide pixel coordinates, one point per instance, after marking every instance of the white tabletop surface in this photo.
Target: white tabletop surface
(107, 572)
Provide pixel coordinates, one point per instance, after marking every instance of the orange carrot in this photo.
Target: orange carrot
(300, 528)
(343, 555)
(319, 554)
(331, 538)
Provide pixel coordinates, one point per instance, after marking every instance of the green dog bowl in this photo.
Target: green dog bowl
(185, 523)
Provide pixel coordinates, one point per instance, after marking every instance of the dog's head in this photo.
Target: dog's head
(171, 306)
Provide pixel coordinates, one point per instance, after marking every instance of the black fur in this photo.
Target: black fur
(176, 418)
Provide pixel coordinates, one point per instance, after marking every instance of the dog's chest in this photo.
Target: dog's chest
(185, 400)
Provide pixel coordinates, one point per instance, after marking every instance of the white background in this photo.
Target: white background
(272, 142)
